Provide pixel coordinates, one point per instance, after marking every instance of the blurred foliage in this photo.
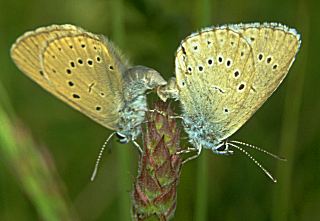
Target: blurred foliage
(34, 170)
(289, 123)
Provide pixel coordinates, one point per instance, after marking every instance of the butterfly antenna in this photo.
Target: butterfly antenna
(94, 173)
(254, 160)
(259, 149)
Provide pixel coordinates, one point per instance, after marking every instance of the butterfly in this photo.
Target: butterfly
(224, 74)
(89, 73)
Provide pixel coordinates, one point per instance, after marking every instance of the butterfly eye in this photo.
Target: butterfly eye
(222, 148)
(122, 138)
(120, 135)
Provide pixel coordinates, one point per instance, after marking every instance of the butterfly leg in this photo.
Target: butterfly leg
(164, 114)
(187, 150)
(138, 146)
(156, 111)
(194, 156)
(176, 117)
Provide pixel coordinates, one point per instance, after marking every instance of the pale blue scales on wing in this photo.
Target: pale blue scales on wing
(224, 74)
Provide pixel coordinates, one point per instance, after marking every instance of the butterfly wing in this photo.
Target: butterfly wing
(87, 72)
(211, 66)
(26, 51)
(233, 83)
(274, 48)
(31, 54)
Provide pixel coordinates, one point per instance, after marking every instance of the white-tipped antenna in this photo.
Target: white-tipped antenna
(258, 149)
(94, 173)
(255, 161)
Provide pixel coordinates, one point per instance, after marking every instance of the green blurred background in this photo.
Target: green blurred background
(211, 187)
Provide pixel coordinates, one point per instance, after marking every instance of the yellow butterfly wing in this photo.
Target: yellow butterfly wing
(26, 51)
(274, 48)
(85, 70)
(94, 87)
(210, 68)
(222, 78)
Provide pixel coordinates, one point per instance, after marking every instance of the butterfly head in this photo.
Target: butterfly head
(122, 138)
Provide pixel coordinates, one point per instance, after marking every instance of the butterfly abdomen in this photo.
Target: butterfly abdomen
(137, 80)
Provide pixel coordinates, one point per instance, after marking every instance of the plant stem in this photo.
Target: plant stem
(124, 160)
(203, 19)
(33, 168)
(290, 124)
